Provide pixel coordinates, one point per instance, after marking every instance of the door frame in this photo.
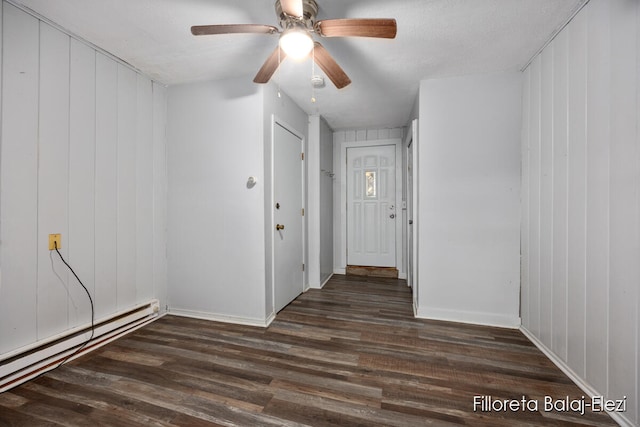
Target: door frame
(397, 142)
(411, 143)
(276, 121)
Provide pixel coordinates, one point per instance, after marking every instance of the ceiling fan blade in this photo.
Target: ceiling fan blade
(380, 28)
(292, 7)
(270, 66)
(204, 30)
(330, 67)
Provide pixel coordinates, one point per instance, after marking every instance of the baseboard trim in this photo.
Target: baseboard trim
(341, 271)
(224, 318)
(475, 318)
(587, 388)
(321, 284)
(270, 319)
(326, 280)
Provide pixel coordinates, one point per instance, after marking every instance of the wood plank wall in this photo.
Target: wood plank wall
(83, 154)
(580, 199)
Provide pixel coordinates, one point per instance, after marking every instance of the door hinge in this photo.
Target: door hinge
(302, 211)
(302, 156)
(302, 267)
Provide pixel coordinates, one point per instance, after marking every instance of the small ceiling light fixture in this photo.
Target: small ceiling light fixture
(317, 82)
(296, 42)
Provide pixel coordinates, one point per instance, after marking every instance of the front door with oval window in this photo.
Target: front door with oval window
(371, 206)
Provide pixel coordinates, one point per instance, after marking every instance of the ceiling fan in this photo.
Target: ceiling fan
(297, 19)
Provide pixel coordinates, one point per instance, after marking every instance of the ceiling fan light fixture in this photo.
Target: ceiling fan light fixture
(296, 43)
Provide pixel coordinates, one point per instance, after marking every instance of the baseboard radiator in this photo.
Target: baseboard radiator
(28, 362)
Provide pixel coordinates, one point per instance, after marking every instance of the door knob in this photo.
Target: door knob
(392, 216)
(279, 227)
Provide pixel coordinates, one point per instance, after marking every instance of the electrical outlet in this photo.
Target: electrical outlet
(55, 240)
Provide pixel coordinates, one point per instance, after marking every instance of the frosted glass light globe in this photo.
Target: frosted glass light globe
(296, 43)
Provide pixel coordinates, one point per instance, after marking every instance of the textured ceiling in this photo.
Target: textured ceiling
(436, 38)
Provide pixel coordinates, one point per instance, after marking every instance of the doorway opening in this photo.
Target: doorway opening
(372, 208)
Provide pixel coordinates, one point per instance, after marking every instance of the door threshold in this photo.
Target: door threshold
(363, 270)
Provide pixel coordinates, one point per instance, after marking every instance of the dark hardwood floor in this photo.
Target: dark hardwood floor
(351, 354)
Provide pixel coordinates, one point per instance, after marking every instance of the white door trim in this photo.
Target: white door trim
(343, 196)
(412, 138)
(275, 121)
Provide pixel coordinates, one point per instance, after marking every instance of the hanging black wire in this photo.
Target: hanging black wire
(92, 310)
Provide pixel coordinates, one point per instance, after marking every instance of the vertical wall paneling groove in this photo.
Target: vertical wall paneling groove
(546, 190)
(126, 244)
(106, 196)
(82, 155)
(53, 179)
(534, 198)
(576, 198)
(559, 203)
(19, 209)
(598, 93)
(144, 188)
(624, 278)
(524, 200)
(593, 309)
(159, 193)
(78, 157)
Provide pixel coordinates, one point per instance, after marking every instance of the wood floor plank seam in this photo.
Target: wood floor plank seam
(351, 354)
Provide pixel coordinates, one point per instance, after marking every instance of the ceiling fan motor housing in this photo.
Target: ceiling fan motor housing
(309, 12)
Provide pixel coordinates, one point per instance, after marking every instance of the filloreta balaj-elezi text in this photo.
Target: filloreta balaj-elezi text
(549, 404)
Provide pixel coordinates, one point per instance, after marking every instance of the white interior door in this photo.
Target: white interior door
(371, 206)
(287, 215)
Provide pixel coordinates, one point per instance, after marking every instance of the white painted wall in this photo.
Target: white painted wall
(581, 200)
(340, 138)
(216, 248)
(313, 206)
(77, 158)
(219, 255)
(320, 207)
(469, 195)
(327, 176)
